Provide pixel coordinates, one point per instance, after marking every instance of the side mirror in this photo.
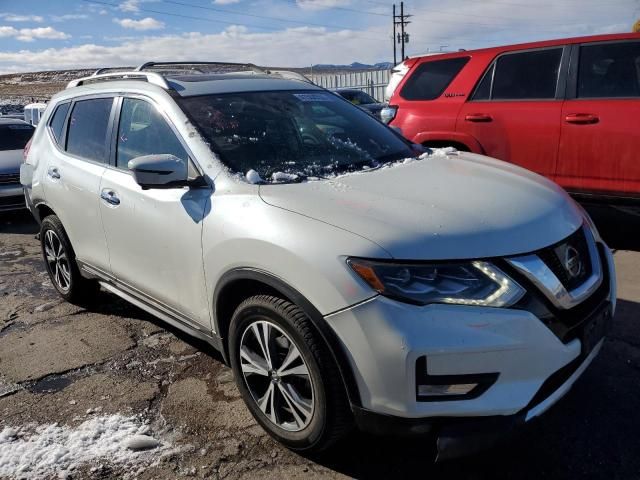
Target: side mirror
(159, 171)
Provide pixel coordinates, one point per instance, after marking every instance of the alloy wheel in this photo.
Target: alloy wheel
(57, 261)
(277, 376)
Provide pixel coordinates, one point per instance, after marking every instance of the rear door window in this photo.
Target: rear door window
(609, 70)
(431, 79)
(531, 75)
(88, 126)
(57, 122)
(143, 131)
(15, 136)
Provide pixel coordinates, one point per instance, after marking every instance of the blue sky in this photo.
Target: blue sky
(58, 34)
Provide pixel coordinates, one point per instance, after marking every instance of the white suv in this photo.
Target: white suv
(344, 274)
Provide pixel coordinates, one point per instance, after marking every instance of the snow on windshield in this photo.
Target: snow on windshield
(282, 177)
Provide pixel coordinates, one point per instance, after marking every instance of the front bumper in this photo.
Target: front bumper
(463, 436)
(384, 339)
(11, 197)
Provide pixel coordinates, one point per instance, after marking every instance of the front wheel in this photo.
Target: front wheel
(286, 374)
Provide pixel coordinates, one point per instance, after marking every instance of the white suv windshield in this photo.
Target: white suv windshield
(305, 133)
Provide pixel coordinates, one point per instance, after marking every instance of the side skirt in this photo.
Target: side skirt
(149, 305)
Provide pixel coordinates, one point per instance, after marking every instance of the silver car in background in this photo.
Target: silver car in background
(14, 135)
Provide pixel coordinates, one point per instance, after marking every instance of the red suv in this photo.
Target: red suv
(567, 109)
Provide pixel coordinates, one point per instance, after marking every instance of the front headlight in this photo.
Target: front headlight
(467, 283)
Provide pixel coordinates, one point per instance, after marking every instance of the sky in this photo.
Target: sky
(40, 35)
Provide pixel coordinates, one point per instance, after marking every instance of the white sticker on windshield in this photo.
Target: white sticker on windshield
(315, 97)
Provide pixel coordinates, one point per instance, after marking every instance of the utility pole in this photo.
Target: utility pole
(402, 37)
(393, 39)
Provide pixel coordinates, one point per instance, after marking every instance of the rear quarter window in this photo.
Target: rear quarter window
(15, 137)
(57, 122)
(430, 79)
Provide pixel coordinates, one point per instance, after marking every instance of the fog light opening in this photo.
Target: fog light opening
(434, 388)
(444, 390)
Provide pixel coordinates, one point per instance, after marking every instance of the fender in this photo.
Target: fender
(35, 209)
(290, 293)
(465, 139)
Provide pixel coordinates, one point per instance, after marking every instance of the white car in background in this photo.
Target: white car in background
(14, 135)
(33, 112)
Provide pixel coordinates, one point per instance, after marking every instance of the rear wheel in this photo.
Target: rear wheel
(286, 374)
(61, 265)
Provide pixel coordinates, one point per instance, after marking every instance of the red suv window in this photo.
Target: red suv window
(521, 76)
(431, 78)
(609, 70)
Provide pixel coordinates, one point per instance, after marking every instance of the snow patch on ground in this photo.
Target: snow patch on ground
(50, 450)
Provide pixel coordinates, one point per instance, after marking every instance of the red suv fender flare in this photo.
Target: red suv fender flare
(468, 141)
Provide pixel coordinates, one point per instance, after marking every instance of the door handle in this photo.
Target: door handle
(581, 118)
(110, 197)
(53, 173)
(478, 117)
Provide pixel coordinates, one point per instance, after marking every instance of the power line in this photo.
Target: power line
(235, 12)
(211, 20)
(345, 9)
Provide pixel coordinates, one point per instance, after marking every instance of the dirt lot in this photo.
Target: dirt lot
(71, 373)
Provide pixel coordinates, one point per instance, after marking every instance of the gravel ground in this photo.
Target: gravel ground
(64, 365)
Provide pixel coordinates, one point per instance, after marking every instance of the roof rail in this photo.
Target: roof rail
(160, 65)
(116, 70)
(150, 77)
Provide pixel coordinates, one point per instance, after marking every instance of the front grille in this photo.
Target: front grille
(555, 257)
(564, 323)
(9, 178)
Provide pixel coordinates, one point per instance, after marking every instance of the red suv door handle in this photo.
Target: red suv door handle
(478, 117)
(581, 118)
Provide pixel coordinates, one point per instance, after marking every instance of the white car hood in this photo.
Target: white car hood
(441, 207)
(10, 161)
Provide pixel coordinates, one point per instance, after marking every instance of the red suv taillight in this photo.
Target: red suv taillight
(25, 152)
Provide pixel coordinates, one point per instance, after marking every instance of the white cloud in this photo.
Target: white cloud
(8, 32)
(132, 5)
(225, 2)
(12, 17)
(129, 6)
(31, 34)
(291, 47)
(147, 23)
(321, 4)
(70, 16)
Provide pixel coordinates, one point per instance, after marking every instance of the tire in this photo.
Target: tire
(326, 416)
(60, 262)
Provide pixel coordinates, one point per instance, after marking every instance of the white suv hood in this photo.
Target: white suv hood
(441, 207)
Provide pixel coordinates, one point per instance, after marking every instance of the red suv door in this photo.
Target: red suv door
(514, 112)
(600, 137)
